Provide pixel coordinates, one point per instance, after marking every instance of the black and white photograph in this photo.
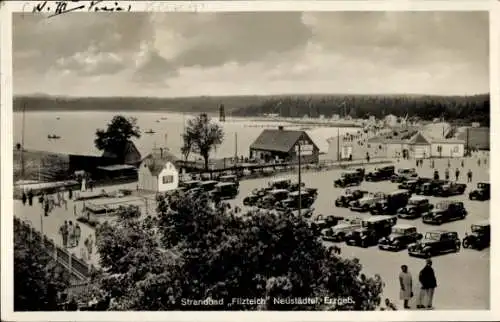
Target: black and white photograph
(250, 161)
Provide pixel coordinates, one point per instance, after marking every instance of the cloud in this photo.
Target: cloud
(181, 53)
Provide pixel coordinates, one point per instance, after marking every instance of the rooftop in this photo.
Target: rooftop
(277, 140)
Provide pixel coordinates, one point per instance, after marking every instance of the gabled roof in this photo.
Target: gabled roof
(278, 140)
(419, 138)
(156, 161)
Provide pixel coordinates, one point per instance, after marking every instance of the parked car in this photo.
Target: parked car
(401, 236)
(392, 203)
(364, 204)
(410, 185)
(416, 207)
(254, 197)
(224, 190)
(338, 232)
(450, 189)
(381, 174)
(208, 185)
(348, 196)
(445, 211)
(428, 188)
(404, 174)
(272, 198)
(188, 185)
(482, 192)
(435, 243)
(230, 178)
(371, 231)
(292, 201)
(322, 222)
(479, 238)
(348, 178)
(280, 183)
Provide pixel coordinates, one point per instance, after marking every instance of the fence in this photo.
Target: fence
(77, 267)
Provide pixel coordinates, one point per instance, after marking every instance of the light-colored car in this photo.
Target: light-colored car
(364, 204)
(339, 231)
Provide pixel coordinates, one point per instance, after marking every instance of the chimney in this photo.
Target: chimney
(280, 127)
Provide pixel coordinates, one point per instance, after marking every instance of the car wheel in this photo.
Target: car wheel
(466, 243)
(363, 244)
(428, 254)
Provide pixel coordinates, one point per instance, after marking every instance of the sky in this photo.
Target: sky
(251, 53)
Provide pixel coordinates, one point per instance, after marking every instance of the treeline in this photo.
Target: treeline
(201, 104)
(452, 108)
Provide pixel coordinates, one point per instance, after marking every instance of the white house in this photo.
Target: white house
(158, 173)
(447, 148)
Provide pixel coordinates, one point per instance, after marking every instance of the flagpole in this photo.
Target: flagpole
(22, 142)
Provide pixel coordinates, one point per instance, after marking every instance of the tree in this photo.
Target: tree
(37, 278)
(201, 136)
(118, 133)
(196, 250)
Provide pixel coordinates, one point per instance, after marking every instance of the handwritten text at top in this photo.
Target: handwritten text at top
(62, 7)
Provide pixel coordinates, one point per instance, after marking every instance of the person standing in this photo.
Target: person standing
(78, 233)
(24, 198)
(428, 284)
(436, 175)
(469, 175)
(90, 246)
(457, 174)
(63, 230)
(478, 162)
(71, 234)
(406, 286)
(447, 174)
(462, 163)
(70, 193)
(46, 208)
(449, 163)
(367, 157)
(30, 197)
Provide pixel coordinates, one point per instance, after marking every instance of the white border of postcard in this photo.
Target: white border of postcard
(7, 7)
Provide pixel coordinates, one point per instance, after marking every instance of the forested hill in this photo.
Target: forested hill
(464, 108)
(467, 108)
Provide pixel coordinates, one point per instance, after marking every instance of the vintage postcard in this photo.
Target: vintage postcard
(292, 161)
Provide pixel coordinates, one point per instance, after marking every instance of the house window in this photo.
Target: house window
(455, 149)
(168, 179)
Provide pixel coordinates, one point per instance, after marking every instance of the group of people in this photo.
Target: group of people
(70, 234)
(48, 202)
(457, 175)
(428, 284)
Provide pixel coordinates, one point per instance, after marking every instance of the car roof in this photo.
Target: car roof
(403, 226)
(440, 231)
(350, 172)
(228, 176)
(192, 181)
(418, 198)
(208, 182)
(483, 182)
(278, 190)
(482, 223)
(378, 218)
(221, 184)
(296, 193)
(397, 192)
(280, 179)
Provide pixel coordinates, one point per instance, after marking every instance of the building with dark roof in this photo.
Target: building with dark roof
(476, 138)
(158, 171)
(282, 145)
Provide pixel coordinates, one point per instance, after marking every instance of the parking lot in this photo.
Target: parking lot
(463, 278)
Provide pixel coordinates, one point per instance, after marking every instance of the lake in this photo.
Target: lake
(77, 131)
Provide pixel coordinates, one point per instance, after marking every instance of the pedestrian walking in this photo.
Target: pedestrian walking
(41, 199)
(436, 175)
(367, 157)
(449, 163)
(71, 234)
(74, 209)
(91, 245)
(469, 175)
(78, 233)
(478, 162)
(417, 163)
(24, 198)
(46, 209)
(447, 174)
(70, 193)
(63, 230)
(428, 284)
(457, 174)
(30, 197)
(462, 163)
(65, 203)
(406, 286)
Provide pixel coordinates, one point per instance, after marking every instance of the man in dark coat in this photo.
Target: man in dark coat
(428, 283)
